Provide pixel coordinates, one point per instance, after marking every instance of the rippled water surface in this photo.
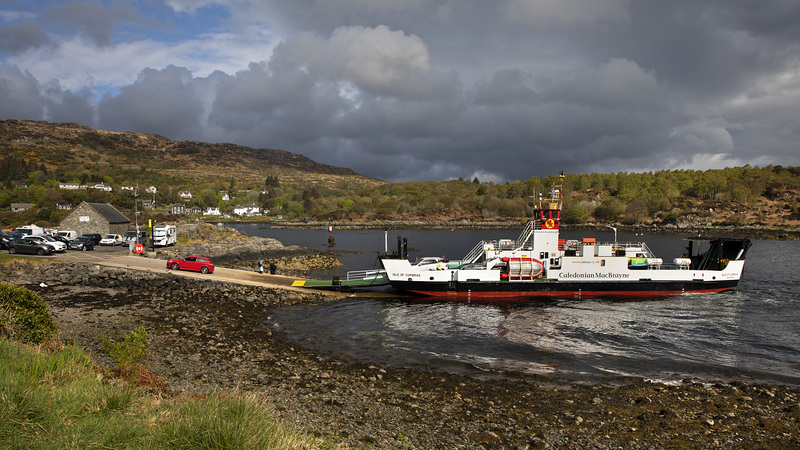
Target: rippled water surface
(751, 333)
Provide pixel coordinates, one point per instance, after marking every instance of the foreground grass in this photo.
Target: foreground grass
(57, 400)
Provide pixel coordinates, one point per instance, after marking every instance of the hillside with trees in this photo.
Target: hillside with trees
(38, 159)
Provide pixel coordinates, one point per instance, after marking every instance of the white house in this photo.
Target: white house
(225, 196)
(185, 195)
(71, 186)
(126, 187)
(246, 210)
(152, 189)
(102, 187)
(212, 212)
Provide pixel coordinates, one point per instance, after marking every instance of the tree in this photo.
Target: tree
(574, 214)
(636, 211)
(609, 210)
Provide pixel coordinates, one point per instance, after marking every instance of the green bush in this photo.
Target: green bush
(24, 315)
(130, 350)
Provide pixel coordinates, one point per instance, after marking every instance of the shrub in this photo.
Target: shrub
(24, 315)
(130, 350)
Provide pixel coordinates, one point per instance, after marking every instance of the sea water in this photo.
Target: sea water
(751, 333)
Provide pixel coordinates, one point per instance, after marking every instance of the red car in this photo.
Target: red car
(195, 263)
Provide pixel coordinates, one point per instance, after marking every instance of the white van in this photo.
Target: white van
(69, 235)
(30, 230)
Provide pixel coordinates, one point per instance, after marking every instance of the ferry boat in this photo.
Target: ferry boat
(540, 264)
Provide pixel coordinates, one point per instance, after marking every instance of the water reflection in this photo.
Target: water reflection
(700, 336)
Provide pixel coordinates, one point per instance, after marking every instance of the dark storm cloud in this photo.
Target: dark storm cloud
(423, 89)
(67, 106)
(20, 95)
(160, 102)
(21, 36)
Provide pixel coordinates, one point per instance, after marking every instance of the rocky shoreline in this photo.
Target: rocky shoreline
(206, 336)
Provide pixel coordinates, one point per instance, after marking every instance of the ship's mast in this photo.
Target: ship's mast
(547, 213)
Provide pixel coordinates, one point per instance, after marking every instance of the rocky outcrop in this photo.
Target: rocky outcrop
(231, 248)
(224, 242)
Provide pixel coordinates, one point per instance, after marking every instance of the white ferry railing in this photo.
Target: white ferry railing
(527, 232)
(474, 254)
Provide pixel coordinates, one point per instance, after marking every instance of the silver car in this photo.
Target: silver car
(57, 245)
(111, 239)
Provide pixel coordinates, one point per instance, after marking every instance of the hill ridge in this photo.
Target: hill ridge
(40, 136)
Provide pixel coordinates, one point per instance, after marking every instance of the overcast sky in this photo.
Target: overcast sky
(417, 90)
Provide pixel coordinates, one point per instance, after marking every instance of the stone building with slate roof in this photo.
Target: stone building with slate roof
(101, 218)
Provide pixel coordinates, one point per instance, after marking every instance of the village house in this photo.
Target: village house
(70, 186)
(185, 195)
(19, 207)
(151, 190)
(102, 187)
(178, 208)
(125, 187)
(225, 196)
(100, 218)
(247, 210)
(195, 210)
(212, 212)
(63, 206)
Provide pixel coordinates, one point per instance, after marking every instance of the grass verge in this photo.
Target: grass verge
(57, 399)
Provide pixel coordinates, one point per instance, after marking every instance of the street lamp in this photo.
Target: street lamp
(615, 236)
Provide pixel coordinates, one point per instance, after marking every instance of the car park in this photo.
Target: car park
(82, 243)
(111, 239)
(58, 246)
(93, 236)
(30, 247)
(195, 263)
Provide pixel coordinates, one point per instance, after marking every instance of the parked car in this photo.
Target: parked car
(69, 235)
(58, 246)
(111, 239)
(131, 235)
(93, 236)
(61, 239)
(5, 239)
(82, 243)
(30, 247)
(195, 263)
